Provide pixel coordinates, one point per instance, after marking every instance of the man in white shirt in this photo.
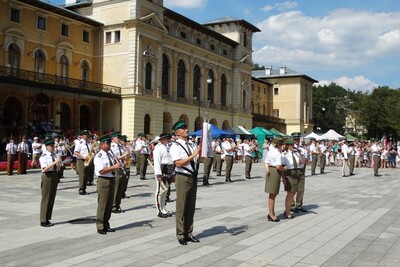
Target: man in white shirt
(345, 153)
(36, 152)
(376, 150)
(23, 151)
(314, 155)
(229, 151)
(11, 150)
(81, 151)
(248, 148)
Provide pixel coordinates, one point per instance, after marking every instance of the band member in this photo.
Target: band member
(297, 204)
(208, 162)
(81, 152)
(119, 153)
(164, 172)
(229, 149)
(105, 168)
(322, 157)
(352, 158)
(248, 148)
(314, 155)
(93, 143)
(218, 152)
(50, 164)
(185, 159)
(143, 153)
(128, 162)
(23, 152)
(11, 150)
(36, 152)
(376, 150)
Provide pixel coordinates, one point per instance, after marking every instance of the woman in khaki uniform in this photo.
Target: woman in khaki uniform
(274, 169)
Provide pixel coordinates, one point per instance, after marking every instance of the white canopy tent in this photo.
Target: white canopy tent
(331, 135)
(312, 135)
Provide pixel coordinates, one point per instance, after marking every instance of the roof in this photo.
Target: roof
(197, 26)
(59, 10)
(228, 19)
(276, 73)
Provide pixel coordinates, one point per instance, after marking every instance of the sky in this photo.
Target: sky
(353, 43)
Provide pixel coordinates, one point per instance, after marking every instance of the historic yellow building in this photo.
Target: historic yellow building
(290, 98)
(51, 71)
(170, 67)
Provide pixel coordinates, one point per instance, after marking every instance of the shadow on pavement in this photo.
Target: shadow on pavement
(216, 230)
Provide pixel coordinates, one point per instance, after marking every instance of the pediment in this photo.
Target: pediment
(154, 21)
(247, 60)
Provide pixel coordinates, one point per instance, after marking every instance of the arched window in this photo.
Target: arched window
(84, 72)
(147, 121)
(181, 79)
(223, 90)
(165, 75)
(64, 68)
(210, 87)
(40, 64)
(14, 58)
(196, 82)
(147, 80)
(12, 112)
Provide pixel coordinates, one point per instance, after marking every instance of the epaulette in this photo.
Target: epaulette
(43, 155)
(99, 155)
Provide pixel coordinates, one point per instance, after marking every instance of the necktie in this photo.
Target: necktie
(87, 146)
(111, 162)
(294, 161)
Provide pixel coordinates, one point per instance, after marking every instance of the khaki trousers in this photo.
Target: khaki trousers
(105, 193)
(83, 173)
(352, 161)
(49, 190)
(249, 163)
(228, 166)
(207, 168)
(186, 190)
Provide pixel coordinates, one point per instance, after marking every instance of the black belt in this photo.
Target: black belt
(49, 172)
(272, 166)
(105, 177)
(228, 156)
(185, 174)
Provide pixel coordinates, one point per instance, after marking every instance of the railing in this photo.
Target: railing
(35, 78)
(261, 117)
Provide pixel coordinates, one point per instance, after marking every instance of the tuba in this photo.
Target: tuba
(94, 149)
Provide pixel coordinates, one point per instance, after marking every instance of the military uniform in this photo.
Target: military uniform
(185, 183)
(143, 153)
(322, 157)
(105, 187)
(49, 163)
(117, 150)
(376, 150)
(81, 151)
(352, 158)
(248, 157)
(314, 157)
(23, 151)
(297, 204)
(11, 149)
(218, 157)
(229, 153)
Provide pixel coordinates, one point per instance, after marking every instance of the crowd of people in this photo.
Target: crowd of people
(175, 158)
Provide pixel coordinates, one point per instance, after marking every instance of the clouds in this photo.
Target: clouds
(280, 6)
(357, 83)
(186, 4)
(343, 39)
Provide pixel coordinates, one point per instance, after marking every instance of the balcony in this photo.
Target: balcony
(54, 82)
(267, 118)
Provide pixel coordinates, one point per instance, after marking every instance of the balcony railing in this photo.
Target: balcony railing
(57, 82)
(261, 117)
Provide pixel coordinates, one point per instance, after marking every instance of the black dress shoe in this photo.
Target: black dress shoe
(83, 193)
(168, 200)
(192, 239)
(230, 180)
(377, 175)
(143, 178)
(119, 210)
(182, 241)
(300, 210)
(162, 215)
(110, 230)
(46, 224)
(125, 196)
(102, 231)
(249, 178)
(272, 220)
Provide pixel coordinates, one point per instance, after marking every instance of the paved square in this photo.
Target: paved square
(352, 221)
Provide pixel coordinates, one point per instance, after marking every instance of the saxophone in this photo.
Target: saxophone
(94, 149)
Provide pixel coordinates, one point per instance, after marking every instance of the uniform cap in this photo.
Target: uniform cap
(179, 125)
(140, 135)
(49, 141)
(115, 134)
(123, 138)
(296, 135)
(289, 141)
(278, 141)
(105, 138)
(85, 132)
(164, 135)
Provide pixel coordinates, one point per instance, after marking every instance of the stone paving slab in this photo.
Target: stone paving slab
(352, 221)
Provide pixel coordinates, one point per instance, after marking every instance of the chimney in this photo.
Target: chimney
(268, 71)
(282, 70)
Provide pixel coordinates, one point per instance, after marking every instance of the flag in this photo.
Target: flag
(206, 141)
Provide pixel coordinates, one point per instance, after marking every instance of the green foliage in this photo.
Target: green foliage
(258, 67)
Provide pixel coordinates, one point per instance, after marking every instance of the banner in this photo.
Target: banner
(206, 141)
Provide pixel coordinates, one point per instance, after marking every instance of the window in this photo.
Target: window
(15, 15)
(276, 90)
(245, 39)
(210, 88)
(198, 41)
(113, 37)
(41, 23)
(223, 90)
(165, 75)
(85, 36)
(147, 82)
(84, 72)
(181, 79)
(147, 121)
(183, 35)
(40, 63)
(64, 68)
(212, 47)
(64, 30)
(224, 52)
(14, 59)
(196, 82)
(275, 113)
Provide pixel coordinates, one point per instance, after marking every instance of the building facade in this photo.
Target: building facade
(291, 97)
(170, 67)
(51, 71)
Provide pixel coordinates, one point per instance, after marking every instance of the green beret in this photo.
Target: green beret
(179, 125)
(278, 140)
(296, 135)
(105, 138)
(289, 141)
(140, 135)
(49, 135)
(312, 139)
(49, 141)
(123, 138)
(115, 134)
